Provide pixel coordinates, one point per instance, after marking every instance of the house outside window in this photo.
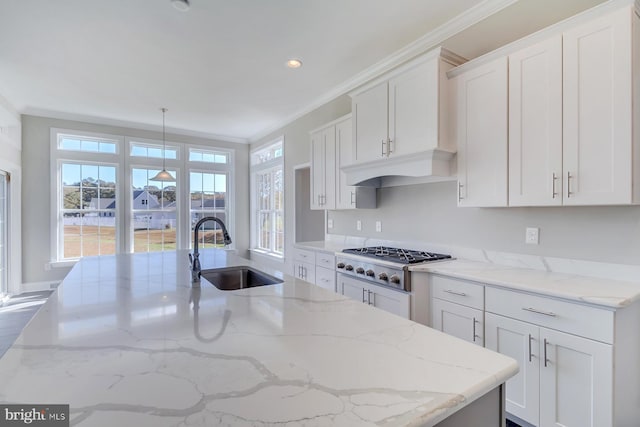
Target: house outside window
(267, 199)
(105, 202)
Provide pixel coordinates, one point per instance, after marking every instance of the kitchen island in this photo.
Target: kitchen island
(126, 340)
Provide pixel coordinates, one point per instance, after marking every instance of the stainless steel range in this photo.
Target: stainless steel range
(383, 265)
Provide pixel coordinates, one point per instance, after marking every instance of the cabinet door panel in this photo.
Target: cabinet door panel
(576, 384)
(326, 278)
(329, 196)
(535, 125)
(317, 169)
(520, 341)
(344, 193)
(370, 123)
(395, 302)
(482, 135)
(413, 110)
(454, 319)
(352, 288)
(597, 84)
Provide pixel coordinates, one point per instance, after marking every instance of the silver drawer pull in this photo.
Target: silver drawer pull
(461, 294)
(545, 313)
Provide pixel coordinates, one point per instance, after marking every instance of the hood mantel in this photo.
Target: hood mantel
(427, 166)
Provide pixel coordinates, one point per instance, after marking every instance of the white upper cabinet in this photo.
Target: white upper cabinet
(369, 111)
(323, 169)
(482, 135)
(406, 111)
(347, 196)
(569, 119)
(331, 148)
(535, 125)
(597, 84)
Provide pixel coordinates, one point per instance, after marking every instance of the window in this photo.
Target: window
(88, 203)
(208, 156)
(154, 210)
(267, 186)
(208, 198)
(104, 200)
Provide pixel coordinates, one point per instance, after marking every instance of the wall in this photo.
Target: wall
(428, 213)
(309, 223)
(296, 152)
(36, 233)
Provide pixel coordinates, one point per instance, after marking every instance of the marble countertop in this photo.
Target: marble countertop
(123, 343)
(592, 290)
(321, 245)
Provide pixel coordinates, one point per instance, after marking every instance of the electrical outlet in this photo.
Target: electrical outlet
(378, 226)
(359, 225)
(330, 223)
(532, 236)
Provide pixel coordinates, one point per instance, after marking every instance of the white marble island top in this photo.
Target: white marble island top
(121, 343)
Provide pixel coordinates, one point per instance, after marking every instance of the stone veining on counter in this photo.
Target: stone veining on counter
(120, 342)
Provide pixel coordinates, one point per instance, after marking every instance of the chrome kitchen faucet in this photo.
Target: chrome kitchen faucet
(194, 259)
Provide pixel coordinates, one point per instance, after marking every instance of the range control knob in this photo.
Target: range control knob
(370, 273)
(360, 270)
(394, 279)
(340, 265)
(348, 267)
(383, 276)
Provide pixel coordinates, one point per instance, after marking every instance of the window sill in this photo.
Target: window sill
(269, 255)
(60, 264)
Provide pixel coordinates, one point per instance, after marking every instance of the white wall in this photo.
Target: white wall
(36, 233)
(428, 213)
(10, 161)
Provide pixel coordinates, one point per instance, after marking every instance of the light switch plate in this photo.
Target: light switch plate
(532, 236)
(359, 225)
(378, 226)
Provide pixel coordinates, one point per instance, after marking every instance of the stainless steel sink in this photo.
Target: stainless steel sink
(232, 278)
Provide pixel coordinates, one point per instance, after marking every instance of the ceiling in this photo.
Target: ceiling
(219, 68)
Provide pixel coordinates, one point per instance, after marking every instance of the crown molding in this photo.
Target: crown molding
(60, 115)
(423, 44)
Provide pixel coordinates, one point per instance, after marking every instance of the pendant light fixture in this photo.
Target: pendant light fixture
(163, 175)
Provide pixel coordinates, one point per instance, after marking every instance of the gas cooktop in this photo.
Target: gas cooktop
(401, 256)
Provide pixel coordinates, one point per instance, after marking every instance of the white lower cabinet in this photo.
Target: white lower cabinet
(396, 302)
(565, 380)
(315, 266)
(458, 320)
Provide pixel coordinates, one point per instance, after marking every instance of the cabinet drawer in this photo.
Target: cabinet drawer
(577, 319)
(326, 278)
(326, 260)
(458, 291)
(304, 255)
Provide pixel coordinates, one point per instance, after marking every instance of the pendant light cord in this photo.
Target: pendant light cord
(164, 141)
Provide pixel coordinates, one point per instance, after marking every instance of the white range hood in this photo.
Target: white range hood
(427, 166)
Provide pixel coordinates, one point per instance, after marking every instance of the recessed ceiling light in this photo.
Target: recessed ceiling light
(294, 63)
(181, 5)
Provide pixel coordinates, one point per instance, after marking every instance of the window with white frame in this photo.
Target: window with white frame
(267, 187)
(106, 202)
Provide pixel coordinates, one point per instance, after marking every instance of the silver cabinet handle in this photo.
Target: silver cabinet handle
(461, 294)
(389, 150)
(352, 196)
(569, 193)
(554, 178)
(363, 291)
(383, 150)
(474, 330)
(530, 338)
(460, 191)
(544, 313)
(546, 360)
(372, 301)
